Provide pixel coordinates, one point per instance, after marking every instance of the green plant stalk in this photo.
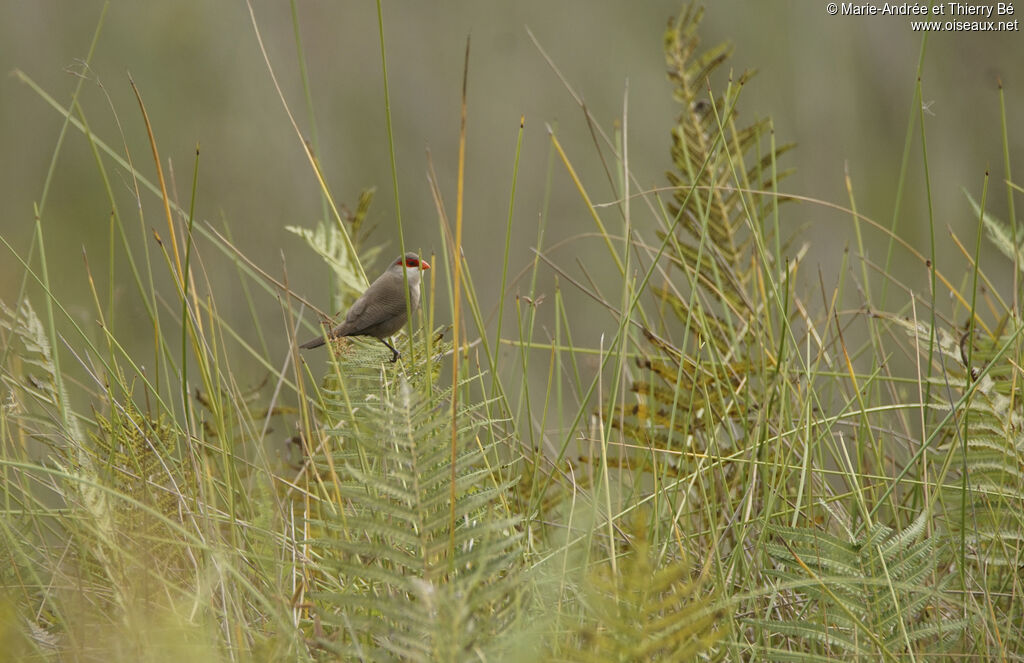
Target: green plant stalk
(307, 92)
(38, 209)
(1012, 214)
(525, 366)
(394, 173)
(913, 113)
(933, 293)
(965, 426)
(504, 261)
(186, 285)
(616, 348)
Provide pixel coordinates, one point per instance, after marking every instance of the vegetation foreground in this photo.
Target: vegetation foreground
(753, 465)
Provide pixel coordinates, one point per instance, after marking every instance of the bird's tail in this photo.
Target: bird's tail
(314, 343)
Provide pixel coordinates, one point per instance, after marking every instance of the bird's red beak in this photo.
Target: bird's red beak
(424, 264)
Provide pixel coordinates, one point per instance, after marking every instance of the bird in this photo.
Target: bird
(380, 311)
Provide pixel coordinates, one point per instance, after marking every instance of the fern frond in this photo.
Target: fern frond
(403, 584)
(1000, 234)
(646, 611)
(337, 244)
(872, 597)
(983, 501)
(697, 396)
(705, 146)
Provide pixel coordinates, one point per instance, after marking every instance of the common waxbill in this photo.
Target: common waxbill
(380, 311)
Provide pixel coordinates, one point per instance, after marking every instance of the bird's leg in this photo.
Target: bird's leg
(394, 357)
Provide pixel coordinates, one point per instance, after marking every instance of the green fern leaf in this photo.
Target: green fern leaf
(404, 586)
(866, 598)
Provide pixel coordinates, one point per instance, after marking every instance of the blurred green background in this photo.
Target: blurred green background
(841, 87)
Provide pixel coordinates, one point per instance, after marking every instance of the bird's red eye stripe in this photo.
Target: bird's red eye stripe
(413, 263)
